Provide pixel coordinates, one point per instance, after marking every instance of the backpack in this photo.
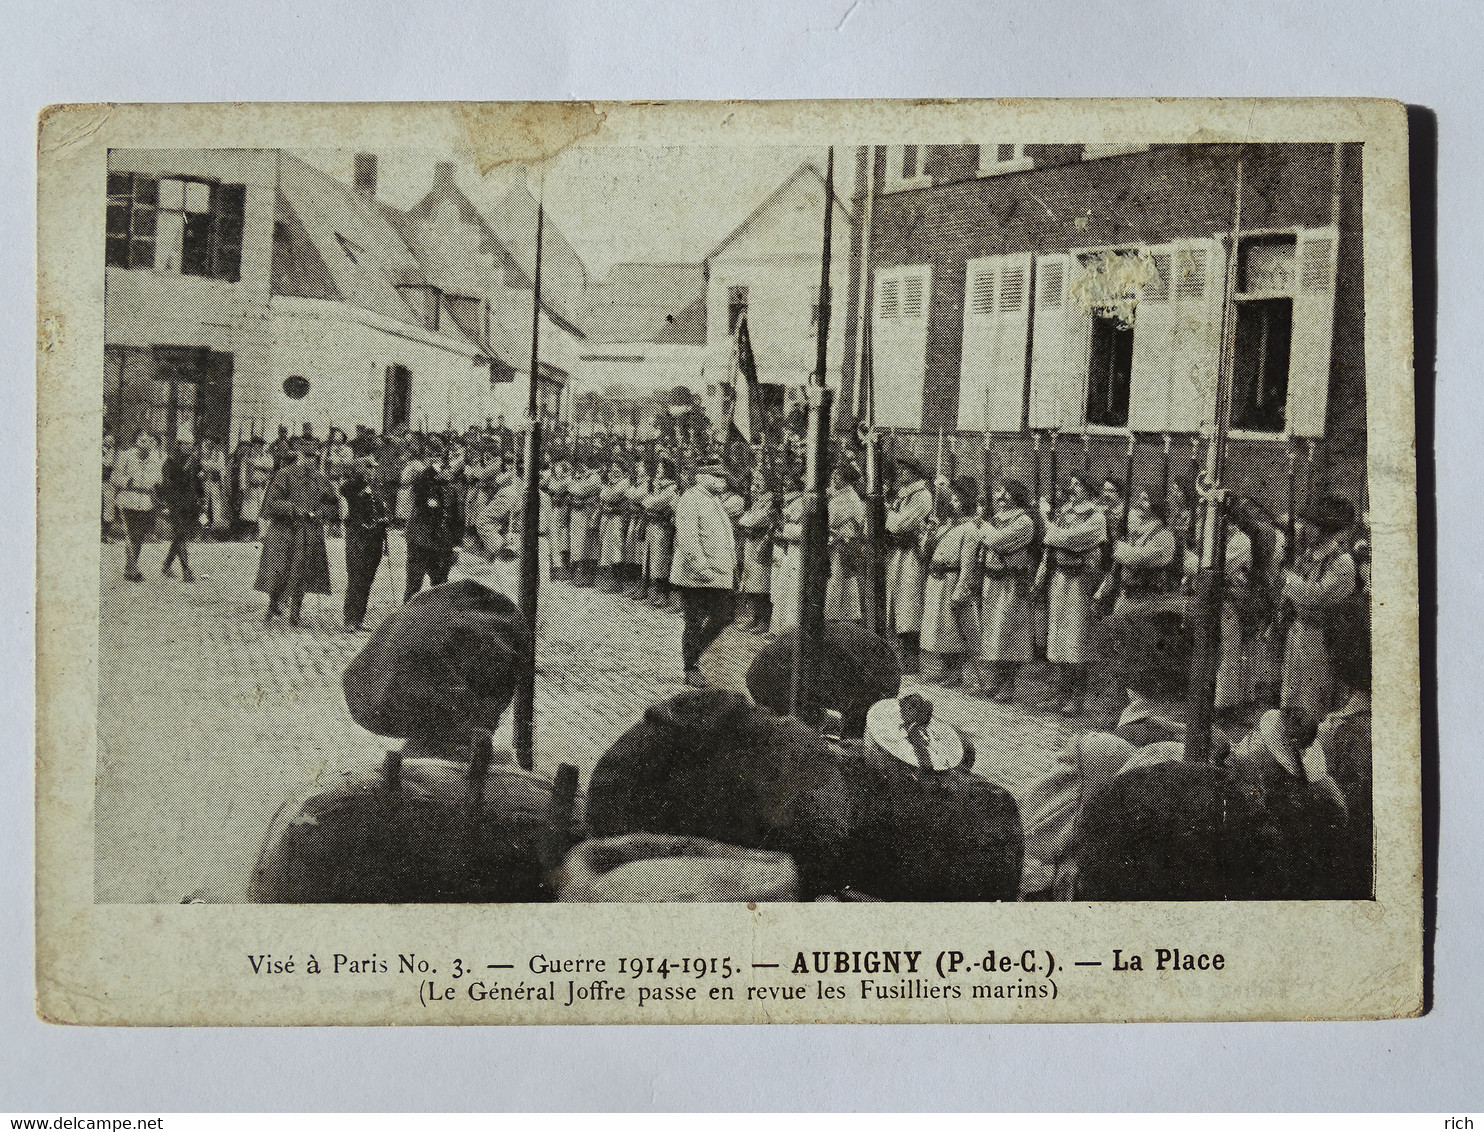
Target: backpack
(420, 830)
(929, 836)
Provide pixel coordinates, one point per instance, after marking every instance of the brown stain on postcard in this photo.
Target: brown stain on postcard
(499, 133)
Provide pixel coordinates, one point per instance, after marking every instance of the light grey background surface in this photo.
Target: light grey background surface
(1421, 53)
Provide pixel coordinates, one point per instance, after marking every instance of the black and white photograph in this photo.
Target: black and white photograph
(956, 523)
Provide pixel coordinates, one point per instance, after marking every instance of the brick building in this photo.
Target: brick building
(1021, 290)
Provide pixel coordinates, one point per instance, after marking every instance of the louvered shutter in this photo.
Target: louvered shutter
(996, 314)
(1058, 366)
(1154, 332)
(1197, 283)
(1313, 331)
(899, 346)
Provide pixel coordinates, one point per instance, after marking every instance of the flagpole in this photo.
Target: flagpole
(814, 546)
(1210, 581)
(530, 524)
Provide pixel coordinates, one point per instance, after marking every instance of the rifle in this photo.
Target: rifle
(1116, 577)
(1289, 530)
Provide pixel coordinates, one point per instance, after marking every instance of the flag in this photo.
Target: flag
(744, 382)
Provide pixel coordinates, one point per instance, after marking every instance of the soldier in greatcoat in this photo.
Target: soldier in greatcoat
(755, 552)
(298, 503)
(1322, 578)
(636, 539)
(659, 532)
(847, 519)
(783, 585)
(1071, 572)
(950, 620)
(582, 532)
(1009, 542)
(614, 525)
(557, 486)
(906, 572)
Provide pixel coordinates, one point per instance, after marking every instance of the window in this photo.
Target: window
(1260, 364)
(1109, 370)
(906, 168)
(1284, 310)
(736, 307)
(1002, 157)
(175, 224)
(899, 345)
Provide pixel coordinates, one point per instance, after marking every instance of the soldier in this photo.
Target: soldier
(636, 540)
(704, 566)
(434, 528)
(950, 622)
(557, 486)
(585, 516)
(136, 479)
(755, 549)
(905, 569)
(298, 503)
(659, 532)
(181, 493)
(847, 518)
(613, 529)
(1070, 570)
(1010, 543)
(254, 473)
(366, 521)
(783, 586)
(1145, 557)
(1322, 579)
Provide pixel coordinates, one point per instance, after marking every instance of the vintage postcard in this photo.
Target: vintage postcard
(726, 562)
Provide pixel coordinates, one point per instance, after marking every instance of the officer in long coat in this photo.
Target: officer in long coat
(950, 620)
(1071, 572)
(1008, 543)
(906, 572)
(1323, 577)
(298, 502)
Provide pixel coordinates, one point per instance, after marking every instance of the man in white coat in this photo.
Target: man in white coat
(703, 566)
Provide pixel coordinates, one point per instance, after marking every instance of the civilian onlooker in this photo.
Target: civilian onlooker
(181, 493)
(136, 478)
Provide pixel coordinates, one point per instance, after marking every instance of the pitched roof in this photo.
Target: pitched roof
(359, 253)
(806, 170)
(648, 302)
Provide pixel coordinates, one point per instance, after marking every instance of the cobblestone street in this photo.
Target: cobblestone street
(208, 720)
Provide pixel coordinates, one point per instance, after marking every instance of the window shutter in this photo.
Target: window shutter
(996, 320)
(1313, 331)
(981, 277)
(1059, 338)
(1197, 283)
(1154, 331)
(229, 219)
(899, 345)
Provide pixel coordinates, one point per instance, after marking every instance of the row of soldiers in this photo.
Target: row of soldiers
(977, 589)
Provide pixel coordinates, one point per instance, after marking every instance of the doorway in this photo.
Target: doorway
(396, 405)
